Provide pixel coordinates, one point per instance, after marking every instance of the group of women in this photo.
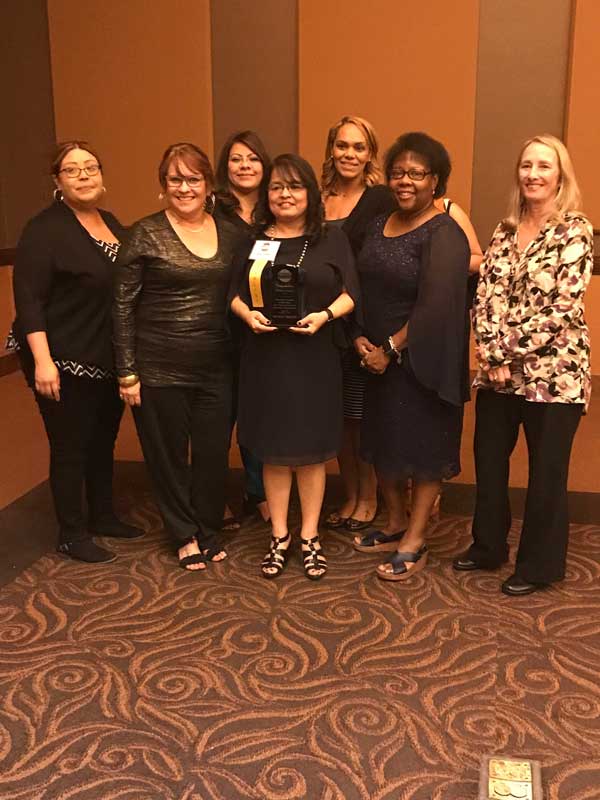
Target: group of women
(178, 328)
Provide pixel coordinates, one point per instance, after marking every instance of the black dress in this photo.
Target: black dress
(290, 395)
(374, 201)
(413, 413)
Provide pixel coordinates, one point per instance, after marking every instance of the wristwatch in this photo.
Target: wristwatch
(390, 348)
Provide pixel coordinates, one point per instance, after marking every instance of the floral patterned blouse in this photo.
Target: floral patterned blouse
(529, 312)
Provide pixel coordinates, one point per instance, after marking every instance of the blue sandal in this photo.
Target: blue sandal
(376, 541)
(399, 571)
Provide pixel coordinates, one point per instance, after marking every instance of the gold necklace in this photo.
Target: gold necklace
(173, 217)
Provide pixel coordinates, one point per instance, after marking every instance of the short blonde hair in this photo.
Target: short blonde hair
(568, 197)
(372, 173)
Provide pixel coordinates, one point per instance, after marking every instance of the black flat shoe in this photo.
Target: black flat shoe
(112, 526)
(354, 525)
(464, 563)
(86, 550)
(335, 521)
(515, 586)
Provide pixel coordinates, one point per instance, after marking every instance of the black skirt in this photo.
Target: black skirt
(407, 430)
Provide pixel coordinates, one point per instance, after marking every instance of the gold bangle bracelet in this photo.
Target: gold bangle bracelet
(128, 380)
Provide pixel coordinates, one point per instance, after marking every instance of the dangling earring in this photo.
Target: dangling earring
(57, 195)
(103, 188)
(161, 197)
(210, 203)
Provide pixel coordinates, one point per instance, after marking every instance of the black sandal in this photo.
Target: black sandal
(313, 559)
(276, 558)
(208, 554)
(192, 559)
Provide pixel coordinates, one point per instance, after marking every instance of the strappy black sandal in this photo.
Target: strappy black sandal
(276, 558)
(313, 559)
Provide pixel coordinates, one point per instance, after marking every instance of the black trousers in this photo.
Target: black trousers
(174, 422)
(82, 428)
(549, 432)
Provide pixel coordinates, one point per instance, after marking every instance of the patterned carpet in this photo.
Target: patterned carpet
(139, 681)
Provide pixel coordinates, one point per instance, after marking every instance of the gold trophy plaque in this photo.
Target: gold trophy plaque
(508, 778)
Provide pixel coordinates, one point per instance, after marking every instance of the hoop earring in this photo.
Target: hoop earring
(103, 188)
(57, 195)
(210, 203)
(161, 197)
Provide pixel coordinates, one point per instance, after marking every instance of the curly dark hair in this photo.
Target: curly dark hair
(292, 167)
(433, 153)
(253, 142)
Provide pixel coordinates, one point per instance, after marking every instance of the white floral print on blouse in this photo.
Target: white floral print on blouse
(529, 312)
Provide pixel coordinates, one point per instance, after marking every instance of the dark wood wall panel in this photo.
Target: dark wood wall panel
(522, 81)
(255, 71)
(27, 129)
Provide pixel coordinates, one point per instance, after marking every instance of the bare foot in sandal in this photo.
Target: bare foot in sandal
(190, 557)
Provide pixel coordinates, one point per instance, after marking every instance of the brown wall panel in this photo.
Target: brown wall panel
(27, 129)
(583, 114)
(255, 71)
(403, 66)
(133, 77)
(521, 91)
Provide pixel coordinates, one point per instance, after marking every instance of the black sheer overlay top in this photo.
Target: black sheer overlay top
(170, 304)
(420, 278)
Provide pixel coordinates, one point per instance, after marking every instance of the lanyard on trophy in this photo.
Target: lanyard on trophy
(262, 252)
(255, 281)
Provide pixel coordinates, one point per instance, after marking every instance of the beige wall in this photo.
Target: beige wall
(132, 76)
(583, 121)
(413, 70)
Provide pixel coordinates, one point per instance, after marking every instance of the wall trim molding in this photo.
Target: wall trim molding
(7, 257)
(459, 498)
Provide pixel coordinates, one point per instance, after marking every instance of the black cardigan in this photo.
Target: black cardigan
(63, 285)
(373, 202)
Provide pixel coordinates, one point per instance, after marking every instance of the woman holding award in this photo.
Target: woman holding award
(290, 395)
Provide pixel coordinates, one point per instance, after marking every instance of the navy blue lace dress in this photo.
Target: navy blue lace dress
(412, 421)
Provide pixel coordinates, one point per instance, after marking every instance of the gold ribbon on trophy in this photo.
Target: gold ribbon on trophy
(255, 281)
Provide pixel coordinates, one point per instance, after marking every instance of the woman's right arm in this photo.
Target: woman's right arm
(32, 283)
(461, 218)
(254, 319)
(129, 280)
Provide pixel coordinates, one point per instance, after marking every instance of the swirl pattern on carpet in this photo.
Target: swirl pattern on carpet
(139, 681)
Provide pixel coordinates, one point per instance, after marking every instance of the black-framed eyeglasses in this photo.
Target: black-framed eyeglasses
(75, 172)
(293, 187)
(193, 181)
(413, 173)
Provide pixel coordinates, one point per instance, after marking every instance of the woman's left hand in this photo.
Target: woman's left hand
(376, 361)
(499, 374)
(311, 323)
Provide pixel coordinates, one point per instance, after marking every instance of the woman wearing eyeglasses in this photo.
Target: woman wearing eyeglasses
(63, 289)
(174, 353)
(290, 399)
(413, 270)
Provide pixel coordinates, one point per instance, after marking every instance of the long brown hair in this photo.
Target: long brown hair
(253, 142)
